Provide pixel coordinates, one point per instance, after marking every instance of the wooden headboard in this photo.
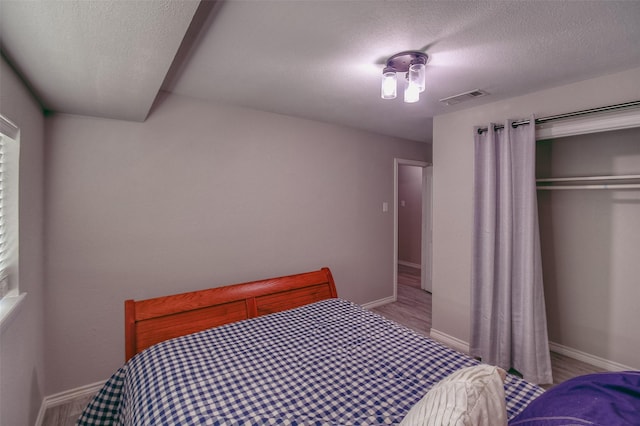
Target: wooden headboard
(152, 321)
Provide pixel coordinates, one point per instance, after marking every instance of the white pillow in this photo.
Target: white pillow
(472, 396)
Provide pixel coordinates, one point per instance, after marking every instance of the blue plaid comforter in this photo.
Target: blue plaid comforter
(328, 363)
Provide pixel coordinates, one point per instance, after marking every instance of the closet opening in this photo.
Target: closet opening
(589, 212)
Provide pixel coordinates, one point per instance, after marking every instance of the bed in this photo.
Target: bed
(284, 350)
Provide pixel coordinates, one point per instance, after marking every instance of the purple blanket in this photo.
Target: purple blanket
(606, 399)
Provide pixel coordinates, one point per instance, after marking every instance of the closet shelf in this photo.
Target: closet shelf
(619, 178)
(602, 186)
(589, 178)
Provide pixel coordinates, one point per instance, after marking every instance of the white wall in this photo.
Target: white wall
(453, 182)
(591, 245)
(202, 195)
(21, 339)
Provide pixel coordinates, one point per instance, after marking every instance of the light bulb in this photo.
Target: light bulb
(411, 93)
(417, 76)
(389, 85)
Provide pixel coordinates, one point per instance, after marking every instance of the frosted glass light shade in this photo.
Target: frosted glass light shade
(417, 76)
(411, 93)
(389, 85)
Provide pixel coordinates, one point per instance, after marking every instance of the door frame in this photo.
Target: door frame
(426, 237)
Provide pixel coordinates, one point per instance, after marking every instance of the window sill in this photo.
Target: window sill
(8, 308)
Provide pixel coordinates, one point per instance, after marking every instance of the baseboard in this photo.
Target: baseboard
(409, 264)
(379, 302)
(452, 342)
(65, 397)
(605, 364)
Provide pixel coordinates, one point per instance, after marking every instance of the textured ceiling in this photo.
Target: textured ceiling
(99, 58)
(316, 59)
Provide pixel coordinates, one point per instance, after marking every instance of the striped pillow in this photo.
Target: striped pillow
(470, 396)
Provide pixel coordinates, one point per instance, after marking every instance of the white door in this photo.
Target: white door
(427, 179)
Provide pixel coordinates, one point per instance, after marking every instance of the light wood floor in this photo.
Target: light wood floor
(413, 306)
(66, 414)
(412, 309)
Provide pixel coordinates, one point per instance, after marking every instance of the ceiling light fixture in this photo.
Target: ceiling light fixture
(411, 62)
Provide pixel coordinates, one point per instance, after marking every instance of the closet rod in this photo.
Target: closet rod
(587, 178)
(566, 115)
(604, 186)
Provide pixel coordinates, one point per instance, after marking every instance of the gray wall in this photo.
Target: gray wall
(410, 215)
(453, 182)
(21, 339)
(591, 246)
(202, 195)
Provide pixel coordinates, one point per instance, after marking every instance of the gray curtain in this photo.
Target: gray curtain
(509, 326)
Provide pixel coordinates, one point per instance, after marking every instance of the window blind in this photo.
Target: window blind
(9, 158)
(4, 285)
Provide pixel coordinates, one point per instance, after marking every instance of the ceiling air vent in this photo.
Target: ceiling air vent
(466, 96)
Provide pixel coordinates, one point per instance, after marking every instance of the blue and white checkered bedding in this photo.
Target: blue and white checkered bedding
(328, 363)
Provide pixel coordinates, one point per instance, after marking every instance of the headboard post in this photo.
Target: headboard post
(129, 328)
(332, 283)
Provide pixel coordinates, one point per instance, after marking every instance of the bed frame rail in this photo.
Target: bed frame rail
(152, 321)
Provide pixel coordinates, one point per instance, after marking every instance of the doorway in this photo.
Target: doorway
(412, 223)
